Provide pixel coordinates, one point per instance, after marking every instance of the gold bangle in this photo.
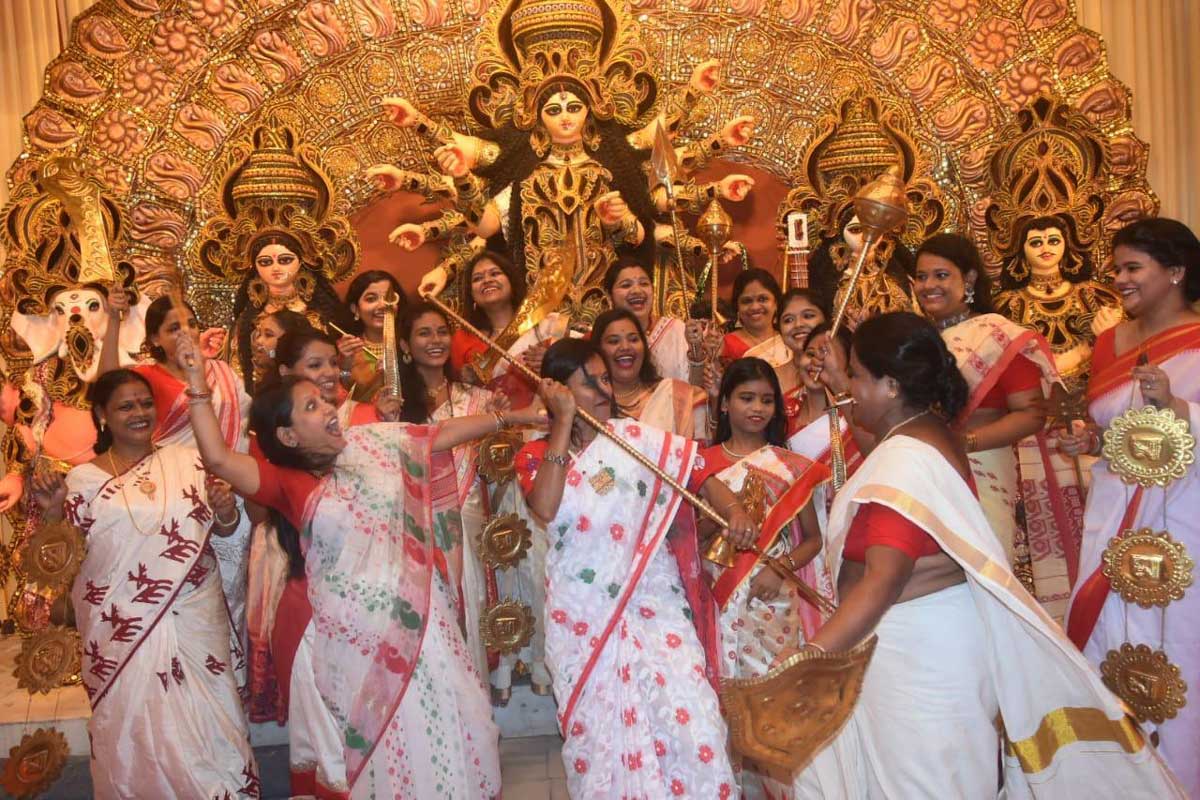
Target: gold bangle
(970, 442)
(816, 647)
(237, 517)
(561, 459)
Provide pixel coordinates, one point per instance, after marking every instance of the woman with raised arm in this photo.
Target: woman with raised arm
(666, 403)
(157, 661)
(1010, 371)
(630, 631)
(406, 713)
(760, 612)
(630, 286)
(917, 564)
(1151, 360)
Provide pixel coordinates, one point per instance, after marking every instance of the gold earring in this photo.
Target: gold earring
(405, 357)
(539, 140)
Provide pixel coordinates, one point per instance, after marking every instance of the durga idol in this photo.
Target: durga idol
(559, 172)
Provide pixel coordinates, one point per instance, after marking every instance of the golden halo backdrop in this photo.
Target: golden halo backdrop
(156, 95)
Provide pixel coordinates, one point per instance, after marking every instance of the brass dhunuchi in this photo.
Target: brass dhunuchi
(504, 541)
(787, 716)
(35, 763)
(1148, 567)
(1148, 683)
(506, 626)
(1149, 446)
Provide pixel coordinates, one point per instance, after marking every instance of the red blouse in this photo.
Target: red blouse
(164, 387)
(878, 525)
(734, 347)
(529, 458)
(284, 489)
(1021, 375)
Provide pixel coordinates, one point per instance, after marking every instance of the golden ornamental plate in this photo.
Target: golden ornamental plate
(787, 716)
(1148, 683)
(35, 763)
(1149, 446)
(498, 456)
(48, 659)
(52, 556)
(1147, 567)
(506, 626)
(504, 541)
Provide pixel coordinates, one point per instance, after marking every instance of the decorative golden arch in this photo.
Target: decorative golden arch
(151, 93)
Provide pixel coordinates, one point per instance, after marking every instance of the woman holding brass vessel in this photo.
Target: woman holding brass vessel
(1131, 595)
(627, 654)
(371, 580)
(917, 564)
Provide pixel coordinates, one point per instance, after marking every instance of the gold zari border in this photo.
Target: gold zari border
(1066, 726)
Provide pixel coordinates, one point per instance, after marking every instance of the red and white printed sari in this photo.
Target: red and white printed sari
(166, 718)
(753, 631)
(1033, 473)
(673, 406)
(1099, 620)
(174, 426)
(636, 707)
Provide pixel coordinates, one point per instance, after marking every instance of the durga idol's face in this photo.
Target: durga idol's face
(563, 115)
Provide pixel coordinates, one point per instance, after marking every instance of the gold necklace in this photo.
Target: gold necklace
(374, 349)
(902, 423)
(735, 455)
(145, 485)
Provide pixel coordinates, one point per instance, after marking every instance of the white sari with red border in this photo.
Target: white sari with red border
(157, 664)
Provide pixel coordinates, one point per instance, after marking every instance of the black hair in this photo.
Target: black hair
(623, 263)
(811, 295)
(908, 348)
(1076, 266)
(516, 280)
(412, 385)
(1170, 243)
(567, 355)
(99, 395)
(358, 287)
(289, 349)
(744, 370)
(290, 321)
(843, 336)
(270, 410)
(962, 253)
(156, 315)
(648, 375)
(756, 275)
(824, 275)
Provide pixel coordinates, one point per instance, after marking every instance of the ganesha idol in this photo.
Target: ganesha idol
(66, 347)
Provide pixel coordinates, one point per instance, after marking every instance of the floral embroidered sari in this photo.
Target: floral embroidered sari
(636, 706)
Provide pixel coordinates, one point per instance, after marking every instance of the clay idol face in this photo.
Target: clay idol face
(564, 115)
(1044, 249)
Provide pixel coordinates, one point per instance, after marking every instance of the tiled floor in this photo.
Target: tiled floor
(532, 768)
